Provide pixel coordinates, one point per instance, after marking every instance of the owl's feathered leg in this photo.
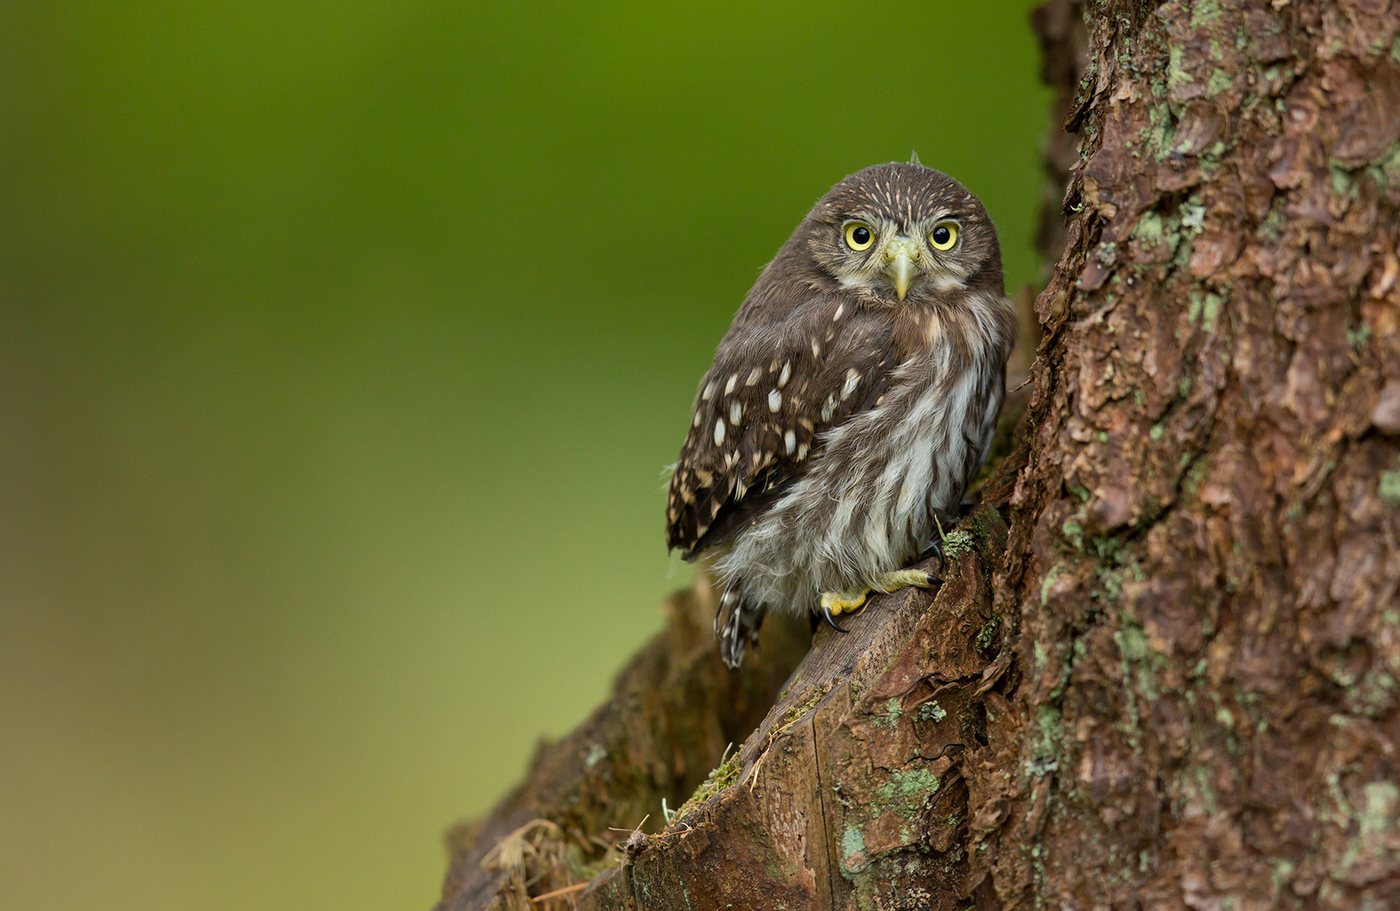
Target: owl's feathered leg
(738, 629)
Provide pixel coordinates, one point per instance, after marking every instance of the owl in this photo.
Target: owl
(850, 404)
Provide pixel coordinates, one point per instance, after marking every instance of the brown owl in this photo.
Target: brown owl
(851, 402)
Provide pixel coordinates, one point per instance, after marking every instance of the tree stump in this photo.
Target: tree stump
(1164, 670)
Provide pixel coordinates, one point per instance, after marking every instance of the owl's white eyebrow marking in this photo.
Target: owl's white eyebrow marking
(852, 380)
(775, 401)
(719, 431)
(790, 441)
(736, 411)
(785, 375)
(754, 374)
(733, 381)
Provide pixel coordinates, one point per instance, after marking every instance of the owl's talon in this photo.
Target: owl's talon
(831, 621)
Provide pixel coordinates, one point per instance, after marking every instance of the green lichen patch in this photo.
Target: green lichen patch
(889, 718)
(1193, 216)
(1073, 533)
(1359, 335)
(1204, 13)
(1047, 583)
(1204, 309)
(1390, 486)
(852, 849)
(1386, 169)
(958, 542)
(1177, 74)
(987, 635)
(906, 793)
(1116, 565)
(1048, 749)
(931, 711)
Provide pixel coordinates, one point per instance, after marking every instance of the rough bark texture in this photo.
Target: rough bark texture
(1203, 540)
(1165, 669)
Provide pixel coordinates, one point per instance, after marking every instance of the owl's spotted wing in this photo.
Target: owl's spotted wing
(773, 388)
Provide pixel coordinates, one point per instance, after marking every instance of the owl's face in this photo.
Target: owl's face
(902, 231)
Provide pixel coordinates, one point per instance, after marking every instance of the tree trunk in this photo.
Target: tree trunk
(1164, 670)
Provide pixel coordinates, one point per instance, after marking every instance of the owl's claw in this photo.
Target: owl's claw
(831, 622)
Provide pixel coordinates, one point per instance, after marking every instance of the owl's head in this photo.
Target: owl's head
(897, 231)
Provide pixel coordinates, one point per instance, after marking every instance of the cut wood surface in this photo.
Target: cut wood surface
(1164, 670)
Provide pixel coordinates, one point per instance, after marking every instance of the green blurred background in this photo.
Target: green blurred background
(343, 346)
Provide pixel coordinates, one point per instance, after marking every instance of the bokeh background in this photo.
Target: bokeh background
(342, 347)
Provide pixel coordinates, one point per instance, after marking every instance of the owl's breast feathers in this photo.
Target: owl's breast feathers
(774, 387)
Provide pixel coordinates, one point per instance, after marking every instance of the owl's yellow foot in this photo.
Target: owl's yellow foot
(905, 578)
(837, 603)
(834, 604)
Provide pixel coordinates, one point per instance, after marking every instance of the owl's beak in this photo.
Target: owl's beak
(901, 263)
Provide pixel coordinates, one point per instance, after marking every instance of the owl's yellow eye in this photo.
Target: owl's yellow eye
(859, 236)
(943, 236)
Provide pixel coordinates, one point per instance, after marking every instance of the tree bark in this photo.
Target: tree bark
(1164, 670)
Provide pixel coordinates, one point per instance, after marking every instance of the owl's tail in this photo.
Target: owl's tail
(736, 625)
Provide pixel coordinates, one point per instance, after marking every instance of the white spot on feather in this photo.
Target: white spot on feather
(785, 375)
(754, 374)
(733, 381)
(775, 401)
(790, 442)
(852, 380)
(719, 432)
(736, 412)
